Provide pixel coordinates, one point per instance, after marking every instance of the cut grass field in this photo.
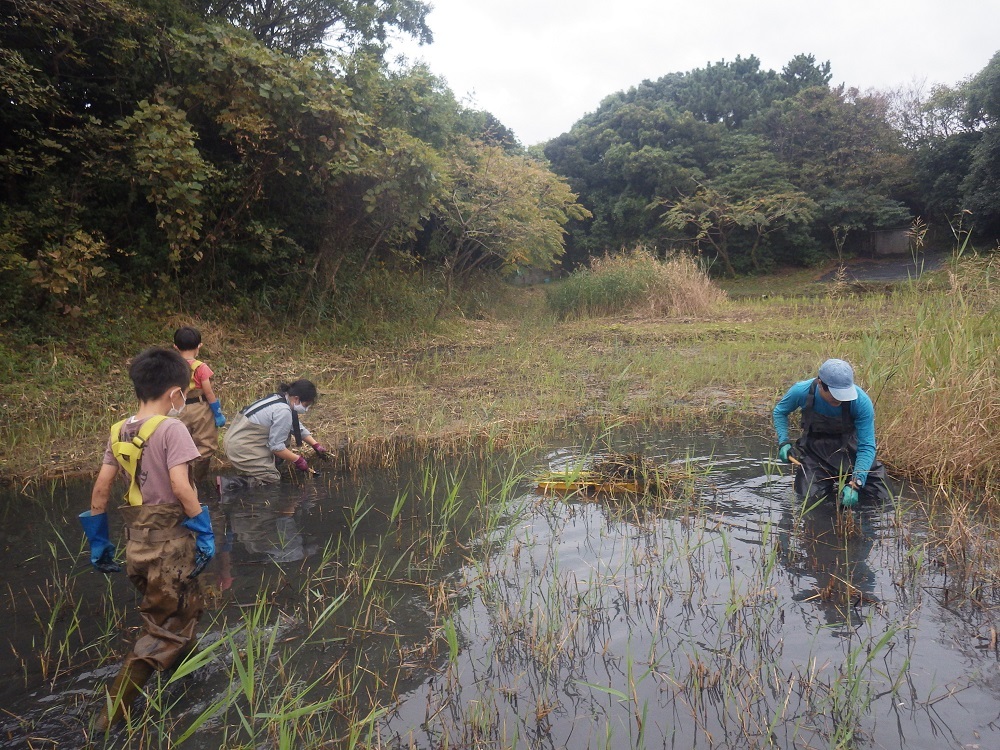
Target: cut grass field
(509, 377)
(496, 378)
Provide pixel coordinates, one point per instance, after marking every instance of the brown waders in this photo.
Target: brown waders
(826, 451)
(246, 448)
(198, 418)
(159, 556)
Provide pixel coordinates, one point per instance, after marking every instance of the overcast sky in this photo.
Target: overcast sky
(539, 65)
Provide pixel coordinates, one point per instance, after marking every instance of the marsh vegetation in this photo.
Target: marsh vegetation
(426, 594)
(449, 603)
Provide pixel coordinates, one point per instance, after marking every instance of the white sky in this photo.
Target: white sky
(539, 65)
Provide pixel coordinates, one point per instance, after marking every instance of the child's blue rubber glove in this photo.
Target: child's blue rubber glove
(102, 551)
(220, 418)
(848, 496)
(204, 537)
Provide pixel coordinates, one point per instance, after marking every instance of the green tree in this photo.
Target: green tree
(981, 186)
(843, 153)
(502, 211)
(803, 72)
(301, 26)
(709, 218)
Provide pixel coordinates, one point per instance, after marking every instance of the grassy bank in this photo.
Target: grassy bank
(926, 353)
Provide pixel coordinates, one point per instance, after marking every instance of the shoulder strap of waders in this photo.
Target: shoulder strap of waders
(195, 364)
(276, 398)
(129, 453)
(847, 424)
(256, 406)
(296, 429)
(809, 408)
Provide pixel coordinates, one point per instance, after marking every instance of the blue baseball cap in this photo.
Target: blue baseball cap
(839, 379)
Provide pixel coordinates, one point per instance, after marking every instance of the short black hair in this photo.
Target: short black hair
(302, 389)
(156, 370)
(187, 338)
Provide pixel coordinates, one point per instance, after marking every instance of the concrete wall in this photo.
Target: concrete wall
(887, 242)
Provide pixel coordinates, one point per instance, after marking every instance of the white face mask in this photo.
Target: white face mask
(300, 408)
(175, 412)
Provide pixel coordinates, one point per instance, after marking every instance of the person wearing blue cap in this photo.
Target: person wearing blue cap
(836, 448)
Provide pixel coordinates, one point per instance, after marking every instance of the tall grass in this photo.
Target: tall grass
(938, 385)
(636, 281)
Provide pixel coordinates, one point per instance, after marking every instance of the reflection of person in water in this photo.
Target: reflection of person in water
(819, 548)
(267, 525)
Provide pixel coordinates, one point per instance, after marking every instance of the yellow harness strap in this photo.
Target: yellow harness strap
(195, 364)
(129, 453)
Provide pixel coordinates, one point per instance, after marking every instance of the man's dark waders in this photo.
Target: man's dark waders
(159, 557)
(826, 450)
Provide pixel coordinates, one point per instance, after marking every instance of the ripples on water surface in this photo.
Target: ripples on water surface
(728, 618)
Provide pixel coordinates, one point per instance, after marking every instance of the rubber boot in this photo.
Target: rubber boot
(122, 693)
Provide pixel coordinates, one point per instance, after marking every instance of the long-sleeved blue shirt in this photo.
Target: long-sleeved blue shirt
(862, 411)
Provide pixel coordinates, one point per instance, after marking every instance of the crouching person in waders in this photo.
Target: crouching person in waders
(169, 534)
(256, 442)
(836, 451)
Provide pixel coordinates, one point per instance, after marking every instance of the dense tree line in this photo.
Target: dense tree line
(756, 168)
(267, 153)
(256, 151)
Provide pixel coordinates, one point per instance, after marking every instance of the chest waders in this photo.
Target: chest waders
(827, 449)
(159, 555)
(197, 417)
(246, 443)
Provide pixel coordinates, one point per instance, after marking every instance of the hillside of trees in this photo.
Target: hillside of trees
(756, 168)
(268, 156)
(258, 153)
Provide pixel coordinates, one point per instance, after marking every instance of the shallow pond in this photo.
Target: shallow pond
(450, 603)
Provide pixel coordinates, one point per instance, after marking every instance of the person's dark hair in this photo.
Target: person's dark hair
(302, 389)
(187, 338)
(155, 371)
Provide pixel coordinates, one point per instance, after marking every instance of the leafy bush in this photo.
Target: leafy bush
(636, 281)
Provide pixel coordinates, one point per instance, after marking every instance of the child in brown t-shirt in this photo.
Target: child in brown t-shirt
(169, 532)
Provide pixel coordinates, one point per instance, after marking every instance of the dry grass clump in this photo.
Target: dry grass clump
(636, 281)
(628, 474)
(941, 405)
(680, 287)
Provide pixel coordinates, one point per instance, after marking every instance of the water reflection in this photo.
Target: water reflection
(267, 522)
(722, 618)
(826, 553)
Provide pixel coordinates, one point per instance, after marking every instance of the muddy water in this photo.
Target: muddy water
(729, 617)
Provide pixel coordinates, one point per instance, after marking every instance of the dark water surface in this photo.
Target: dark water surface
(728, 619)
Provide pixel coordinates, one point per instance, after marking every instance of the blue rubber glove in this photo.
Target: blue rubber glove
(784, 451)
(204, 538)
(848, 496)
(220, 418)
(102, 551)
